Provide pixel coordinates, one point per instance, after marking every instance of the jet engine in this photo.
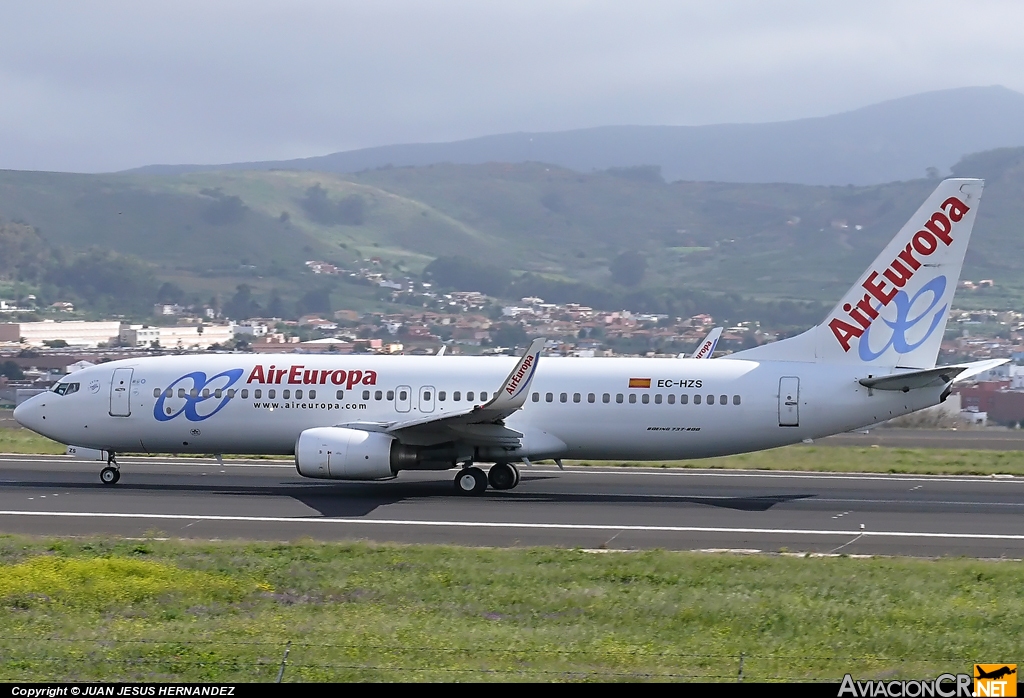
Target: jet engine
(339, 453)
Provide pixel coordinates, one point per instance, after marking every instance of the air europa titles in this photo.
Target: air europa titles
(300, 375)
(901, 270)
(518, 377)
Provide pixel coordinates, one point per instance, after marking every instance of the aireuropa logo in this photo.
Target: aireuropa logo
(995, 680)
(202, 397)
(931, 293)
(884, 286)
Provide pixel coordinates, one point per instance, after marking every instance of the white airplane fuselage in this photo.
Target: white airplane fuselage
(124, 406)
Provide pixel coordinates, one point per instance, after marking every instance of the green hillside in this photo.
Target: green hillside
(210, 231)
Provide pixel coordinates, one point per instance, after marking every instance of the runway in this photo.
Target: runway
(593, 508)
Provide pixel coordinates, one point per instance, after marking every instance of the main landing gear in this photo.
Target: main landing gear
(473, 480)
(111, 474)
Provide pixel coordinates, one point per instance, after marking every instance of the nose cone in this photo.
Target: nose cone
(29, 414)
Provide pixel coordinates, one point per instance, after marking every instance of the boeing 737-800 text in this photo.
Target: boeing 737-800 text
(370, 417)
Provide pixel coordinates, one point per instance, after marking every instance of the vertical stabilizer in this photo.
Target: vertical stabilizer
(896, 313)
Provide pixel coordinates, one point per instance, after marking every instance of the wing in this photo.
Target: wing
(481, 425)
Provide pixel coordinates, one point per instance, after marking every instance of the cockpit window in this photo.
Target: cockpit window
(66, 388)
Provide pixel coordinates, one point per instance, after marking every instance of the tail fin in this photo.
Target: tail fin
(895, 315)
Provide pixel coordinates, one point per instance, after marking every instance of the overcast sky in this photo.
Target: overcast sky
(104, 85)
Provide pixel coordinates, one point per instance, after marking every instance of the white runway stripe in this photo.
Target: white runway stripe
(517, 525)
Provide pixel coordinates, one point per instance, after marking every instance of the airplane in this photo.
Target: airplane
(357, 417)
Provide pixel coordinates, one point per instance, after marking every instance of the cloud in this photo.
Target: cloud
(111, 85)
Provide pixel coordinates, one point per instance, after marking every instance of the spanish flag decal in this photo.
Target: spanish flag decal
(639, 382)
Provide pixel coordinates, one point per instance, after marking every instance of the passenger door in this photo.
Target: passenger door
(789, 401)
(121, 392)
(403, 398)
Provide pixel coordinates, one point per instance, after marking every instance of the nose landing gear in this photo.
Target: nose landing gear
(110, 474)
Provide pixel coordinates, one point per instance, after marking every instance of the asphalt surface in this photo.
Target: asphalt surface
(594, 508)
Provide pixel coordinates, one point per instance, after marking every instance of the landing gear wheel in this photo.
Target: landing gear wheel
(471, 481)
(503, 476)
(110, 476)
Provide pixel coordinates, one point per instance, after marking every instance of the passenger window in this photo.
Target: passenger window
(657, 399)
(576, 397)
(298, 394)
(245, 393)
(206, 393)
(632, 398)
(469, 396)
(536, 397)
(683, 399)
(723, 399)
(286, 394)
(403, 395)
(257, 393)
(606, 398)
(271, 394)
(312, 395)
(378, 395)
(711, 399)
(563, 397)
(671, 399)
(591, 397)
(549, 397)
(645, 398)
(735, 399)
(426, 397)
(168, 393)
(339, 395)
(218, 393)
(391, 395)
(231, 393)
(156, 392)
(456, 396)
(618, 398)
(441, 395)
(193, 393)
(483, 396)
(181, 392)
(366, 394)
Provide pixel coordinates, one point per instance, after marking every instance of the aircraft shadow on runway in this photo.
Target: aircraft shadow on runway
(352, 499)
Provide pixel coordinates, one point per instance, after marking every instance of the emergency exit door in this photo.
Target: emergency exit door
(789, 401)
(121, 392)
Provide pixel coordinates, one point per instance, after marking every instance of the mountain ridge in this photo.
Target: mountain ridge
(894, 140)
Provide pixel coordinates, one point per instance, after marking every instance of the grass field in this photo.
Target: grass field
(160, 610)
(801, 457)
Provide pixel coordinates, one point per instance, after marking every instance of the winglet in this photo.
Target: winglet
(516, 387)
(706, 348)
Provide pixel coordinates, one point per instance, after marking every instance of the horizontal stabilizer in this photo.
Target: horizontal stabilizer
(929, 378)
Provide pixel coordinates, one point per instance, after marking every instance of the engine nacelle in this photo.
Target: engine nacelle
(338, 453)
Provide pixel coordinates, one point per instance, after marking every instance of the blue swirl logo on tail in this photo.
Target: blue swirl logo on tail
(902, 323)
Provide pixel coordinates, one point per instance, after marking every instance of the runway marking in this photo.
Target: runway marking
(516, 525)
(593, 470)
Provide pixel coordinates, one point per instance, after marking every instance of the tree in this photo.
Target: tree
(12, 371)
(628, 268)
(321, 209)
